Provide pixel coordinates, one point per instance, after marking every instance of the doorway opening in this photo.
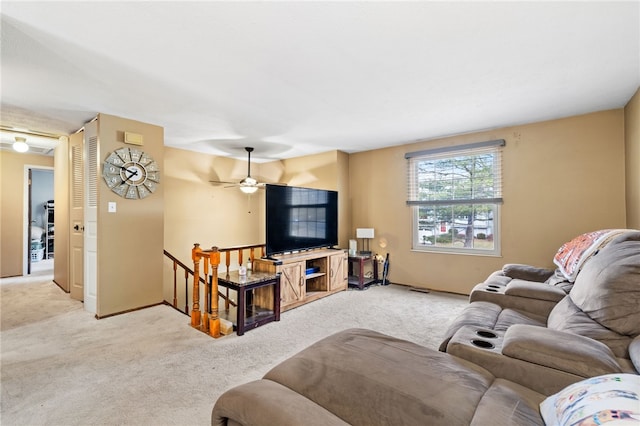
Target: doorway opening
(39, 227)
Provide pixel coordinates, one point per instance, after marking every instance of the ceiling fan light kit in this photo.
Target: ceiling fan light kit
(248, 185)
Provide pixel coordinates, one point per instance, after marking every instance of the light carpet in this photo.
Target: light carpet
(61, 366)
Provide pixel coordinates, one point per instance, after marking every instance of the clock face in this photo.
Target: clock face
(131, 173)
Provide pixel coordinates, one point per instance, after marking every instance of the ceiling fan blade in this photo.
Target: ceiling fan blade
(223, 182)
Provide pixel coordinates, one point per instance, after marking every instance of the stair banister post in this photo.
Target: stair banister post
(175, 284)
(205, 310)
(196, 255)
(227, 262)
(214, 319)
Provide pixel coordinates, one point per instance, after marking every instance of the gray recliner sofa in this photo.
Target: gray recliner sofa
(537, 290)
(361, 377)
(588, 332)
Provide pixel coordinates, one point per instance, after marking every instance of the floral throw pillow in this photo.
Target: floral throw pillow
(573, 254)
(612, 399)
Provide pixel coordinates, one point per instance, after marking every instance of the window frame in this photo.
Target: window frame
(493, 201)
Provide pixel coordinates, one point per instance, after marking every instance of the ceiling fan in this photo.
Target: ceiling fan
(248, 185)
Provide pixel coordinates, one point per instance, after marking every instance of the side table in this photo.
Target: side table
(258, 298)
(356, 270)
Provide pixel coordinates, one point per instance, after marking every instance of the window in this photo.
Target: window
(455, 194)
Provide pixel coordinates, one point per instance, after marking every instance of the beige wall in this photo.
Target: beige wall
(561, 178)
(61, 218)
(197, 211)
(130, 241)
(632, 160)
(12, 189)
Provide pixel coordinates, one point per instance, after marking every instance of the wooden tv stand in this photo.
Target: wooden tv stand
(298, 284)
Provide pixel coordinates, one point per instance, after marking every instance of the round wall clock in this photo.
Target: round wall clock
(131, 173)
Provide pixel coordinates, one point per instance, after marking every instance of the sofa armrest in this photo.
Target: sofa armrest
(559, 350)
(264, 402)
(534, 290)
(527, 272)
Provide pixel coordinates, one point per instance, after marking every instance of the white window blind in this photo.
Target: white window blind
(465, 174)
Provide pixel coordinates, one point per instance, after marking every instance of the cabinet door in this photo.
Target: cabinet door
(292, 285)
(338, 271)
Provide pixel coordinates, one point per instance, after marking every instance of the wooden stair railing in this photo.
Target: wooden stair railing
(208, 320)
(240, 258)
(186, 272)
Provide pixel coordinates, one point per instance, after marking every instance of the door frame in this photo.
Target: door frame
(26, 224)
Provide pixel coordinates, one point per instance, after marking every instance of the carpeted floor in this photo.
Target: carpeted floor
(60, 366)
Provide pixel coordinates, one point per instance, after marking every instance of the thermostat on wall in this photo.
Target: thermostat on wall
(133, 138)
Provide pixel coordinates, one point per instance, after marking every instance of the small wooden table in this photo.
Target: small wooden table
(356, 270)
(258, 298)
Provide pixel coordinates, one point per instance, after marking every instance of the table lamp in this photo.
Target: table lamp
(366, 234)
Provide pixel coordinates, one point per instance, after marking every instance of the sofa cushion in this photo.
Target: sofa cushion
(560, 281)
(594, 401)
(608, 287)
(269, 403)
(572, 255)
(566, 316)
(583, 356)
(498, 403)
(509, 317)
(367, 378)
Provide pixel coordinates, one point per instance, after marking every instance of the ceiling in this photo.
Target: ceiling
(297, 78)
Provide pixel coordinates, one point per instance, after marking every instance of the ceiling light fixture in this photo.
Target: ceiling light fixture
(20, 144)
(248, 185)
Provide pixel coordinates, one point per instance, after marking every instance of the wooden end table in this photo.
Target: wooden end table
(356, 270)
(258, 298)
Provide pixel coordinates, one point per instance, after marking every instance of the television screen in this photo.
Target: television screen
(300, 218)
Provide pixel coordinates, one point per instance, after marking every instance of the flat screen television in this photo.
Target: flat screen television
(300, 219)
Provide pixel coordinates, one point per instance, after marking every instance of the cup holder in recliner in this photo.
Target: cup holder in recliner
(486, 334)
(493, 290)
(482, 344)
(493, 286)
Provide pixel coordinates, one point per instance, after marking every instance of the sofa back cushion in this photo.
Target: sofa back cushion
(567, 317)
(608, 287)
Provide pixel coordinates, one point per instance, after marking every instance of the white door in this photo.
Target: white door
(76, 216)
(91, 217)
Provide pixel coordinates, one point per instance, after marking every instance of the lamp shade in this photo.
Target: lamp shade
(364, 233)
(248, 185)
(248, 189)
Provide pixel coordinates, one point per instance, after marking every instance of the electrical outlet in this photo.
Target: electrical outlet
(112, 206)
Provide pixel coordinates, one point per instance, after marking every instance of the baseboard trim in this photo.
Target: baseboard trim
(128, 310)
